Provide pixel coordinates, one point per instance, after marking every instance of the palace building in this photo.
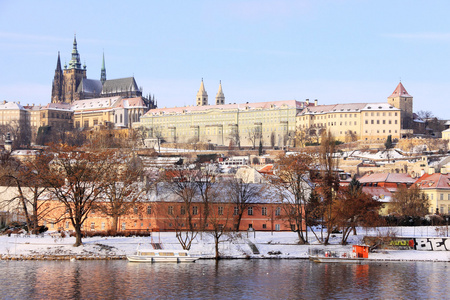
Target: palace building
(272, 123)
(276, 123)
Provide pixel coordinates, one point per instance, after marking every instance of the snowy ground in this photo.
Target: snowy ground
(270, 245)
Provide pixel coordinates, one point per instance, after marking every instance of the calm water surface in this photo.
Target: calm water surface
(227, 279)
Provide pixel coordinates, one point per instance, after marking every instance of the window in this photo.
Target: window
(170, 210)
(441, 198)
(183, 210)
(371, 121)
(95, 122)
(278, 211)
(67, 224)
(194, 210)
(264, 226)
(395, 122)
(367, 122)
(220, 210)
(250, 211)
(135, 209)
(149, 210)
(277, 227)
(236, 211)
(103, 225)
(92, 226)
(86, 123)
(124, 226)
(264, 211)
(448, 197)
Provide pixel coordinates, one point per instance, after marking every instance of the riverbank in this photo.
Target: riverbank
(263, 245)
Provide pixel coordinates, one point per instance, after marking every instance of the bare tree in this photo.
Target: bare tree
(182, 183)
(301, 137)
(26, 177)
(204, 180)
(122, 189)
(139, 135)
(19, 130)
(294, 187)
(242, 195)
(409, 202)
(350, 136)
(220, 217)
(253, 135)
(328, 181)
(353, 208)
(75, 180)
(157, 133)
(235, 136)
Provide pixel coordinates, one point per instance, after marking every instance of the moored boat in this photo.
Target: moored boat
(154, 256)
(358, 255)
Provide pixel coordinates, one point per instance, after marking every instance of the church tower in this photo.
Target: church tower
(402, 100)
(220, 97)
(202, 96)
(103, 71)
(58, 83)
(73, 76)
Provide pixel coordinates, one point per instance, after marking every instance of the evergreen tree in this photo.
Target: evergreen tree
(388, 144)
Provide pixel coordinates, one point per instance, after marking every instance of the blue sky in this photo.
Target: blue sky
(336, 51)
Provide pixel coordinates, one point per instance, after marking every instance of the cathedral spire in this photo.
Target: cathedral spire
(58, 81)
(103, 71)
(75, 61)
(58, 63)
(220, 97)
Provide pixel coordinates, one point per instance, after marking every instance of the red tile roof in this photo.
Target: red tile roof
(434, 181)
(400, 91)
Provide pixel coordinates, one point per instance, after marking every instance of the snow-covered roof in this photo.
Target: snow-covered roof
(10, 106)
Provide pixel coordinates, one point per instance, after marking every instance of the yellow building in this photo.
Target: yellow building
(446, 135)
(14, 119)
(351, 122)
(436, 187)
(110, 112)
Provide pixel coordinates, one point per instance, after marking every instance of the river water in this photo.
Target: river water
(226, 279)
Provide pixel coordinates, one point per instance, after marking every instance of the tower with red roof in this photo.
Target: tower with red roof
(404, 101)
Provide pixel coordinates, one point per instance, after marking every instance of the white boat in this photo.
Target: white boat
(153, 256)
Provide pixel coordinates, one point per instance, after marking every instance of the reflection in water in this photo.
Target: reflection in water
(225, 279)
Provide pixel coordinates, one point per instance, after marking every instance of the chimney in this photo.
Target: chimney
(307, 102)
(315, 102)
(430, 171)
(444, 171)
